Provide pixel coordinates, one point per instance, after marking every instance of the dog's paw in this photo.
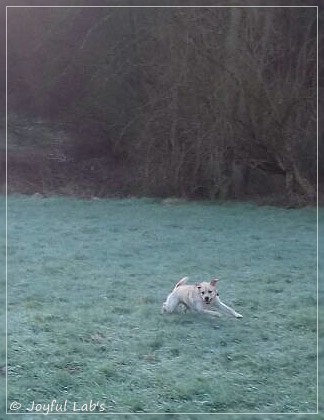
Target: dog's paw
(238, 316)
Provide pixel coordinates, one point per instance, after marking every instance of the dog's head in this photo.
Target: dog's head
(207, 291)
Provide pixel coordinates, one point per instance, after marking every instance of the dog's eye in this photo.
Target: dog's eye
(210, 291)
(202, 293)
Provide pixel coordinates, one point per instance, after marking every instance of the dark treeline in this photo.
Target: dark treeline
(193, 102)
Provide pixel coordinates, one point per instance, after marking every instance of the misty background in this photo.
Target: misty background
(198, 103)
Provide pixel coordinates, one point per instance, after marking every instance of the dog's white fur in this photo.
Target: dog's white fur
(197, 297)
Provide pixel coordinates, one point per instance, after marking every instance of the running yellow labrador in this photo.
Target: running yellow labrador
(198, 297)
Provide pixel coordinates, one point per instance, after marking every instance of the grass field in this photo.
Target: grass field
(86, 280)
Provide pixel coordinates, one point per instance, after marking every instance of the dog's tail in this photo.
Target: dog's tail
(181, 282)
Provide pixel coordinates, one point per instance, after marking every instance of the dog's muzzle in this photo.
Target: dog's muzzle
(207, 299)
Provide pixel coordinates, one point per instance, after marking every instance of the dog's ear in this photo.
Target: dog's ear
(213, 282)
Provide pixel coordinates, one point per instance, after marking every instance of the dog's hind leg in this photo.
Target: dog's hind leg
(170, 304)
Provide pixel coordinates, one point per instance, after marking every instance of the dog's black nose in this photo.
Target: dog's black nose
(206, 298)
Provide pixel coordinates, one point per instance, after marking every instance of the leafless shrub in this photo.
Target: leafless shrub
(203, 102)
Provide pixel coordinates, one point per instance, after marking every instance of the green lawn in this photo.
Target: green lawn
(86, 280)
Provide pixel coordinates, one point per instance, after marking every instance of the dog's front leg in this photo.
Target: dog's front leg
(208, 311)
(213, 313)
(227, 309)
